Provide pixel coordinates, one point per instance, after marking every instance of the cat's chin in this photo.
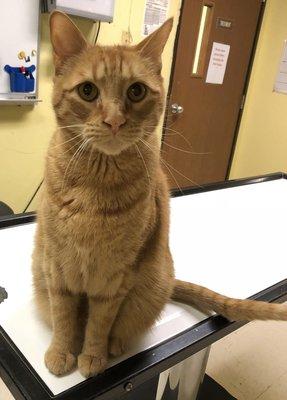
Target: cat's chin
(111, 149)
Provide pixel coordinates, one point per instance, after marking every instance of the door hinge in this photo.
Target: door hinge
(242, 101)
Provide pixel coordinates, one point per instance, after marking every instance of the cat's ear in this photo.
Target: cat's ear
(153, 45)
(66, 38)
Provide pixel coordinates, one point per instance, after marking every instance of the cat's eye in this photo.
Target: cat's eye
(88, 91)
(137, 92)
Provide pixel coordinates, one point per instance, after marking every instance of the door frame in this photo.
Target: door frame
(246, 84)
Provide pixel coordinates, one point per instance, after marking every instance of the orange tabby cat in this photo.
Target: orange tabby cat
(102, 266)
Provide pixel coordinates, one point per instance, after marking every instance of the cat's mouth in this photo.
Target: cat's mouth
(111, 144)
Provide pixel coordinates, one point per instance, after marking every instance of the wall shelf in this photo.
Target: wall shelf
(19, 101)
(19, 49)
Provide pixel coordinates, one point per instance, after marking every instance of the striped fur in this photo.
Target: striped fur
(208, 301)
(101, 265)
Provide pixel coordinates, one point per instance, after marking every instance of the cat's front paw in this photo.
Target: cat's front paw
(59, 363)
(117, 346)
(90, 365)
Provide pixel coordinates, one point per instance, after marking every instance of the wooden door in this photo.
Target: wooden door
(197, 143)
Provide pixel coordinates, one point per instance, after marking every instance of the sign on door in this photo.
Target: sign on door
(217, 63)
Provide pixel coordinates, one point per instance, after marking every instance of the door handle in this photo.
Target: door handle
(176, 109)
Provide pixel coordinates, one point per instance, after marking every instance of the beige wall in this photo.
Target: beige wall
(262, 141)
(25, 131)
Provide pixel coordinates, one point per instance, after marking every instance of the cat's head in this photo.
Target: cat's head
(114, 92)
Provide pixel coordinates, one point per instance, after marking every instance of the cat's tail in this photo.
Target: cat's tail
(234, 309)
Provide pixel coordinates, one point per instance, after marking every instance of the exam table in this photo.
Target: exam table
(230, 237)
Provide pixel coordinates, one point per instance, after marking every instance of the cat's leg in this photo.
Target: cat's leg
(139, 311)
(41, 295)
(102, 312)
(60, 357)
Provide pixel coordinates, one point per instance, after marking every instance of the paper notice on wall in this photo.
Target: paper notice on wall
(155, 15)
(280, 85)
(217, 63)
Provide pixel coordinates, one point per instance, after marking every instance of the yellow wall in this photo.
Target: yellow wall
(262, 141)
(25, 131)
(24, 134)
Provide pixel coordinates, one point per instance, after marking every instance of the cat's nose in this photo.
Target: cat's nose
(115, 122)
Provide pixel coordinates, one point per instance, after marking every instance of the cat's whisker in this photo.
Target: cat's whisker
(184, 151)
(167, 122)
(74, 145)
(67, 168)
(69, 163)
(156, 148)
(178, 133)
(71, 126)
(175, 132)
(80, 153)
(78, 156)
(66, 141)
(144, 163)
(174, 169)
(181, 174)
(90, 167)
(179, 149)
(173, 177)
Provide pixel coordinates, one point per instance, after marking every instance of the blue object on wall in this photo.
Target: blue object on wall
(21, 81)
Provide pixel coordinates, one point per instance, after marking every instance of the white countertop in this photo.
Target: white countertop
(231, 240)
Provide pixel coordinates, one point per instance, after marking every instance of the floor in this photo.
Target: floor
(250, 363)
(4, 392)
(210, 389)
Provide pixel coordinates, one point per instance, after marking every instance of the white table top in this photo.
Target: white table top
(230, 240)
